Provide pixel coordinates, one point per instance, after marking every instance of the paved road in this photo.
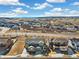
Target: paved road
(18, 47)
(3, 29)
(41, 34)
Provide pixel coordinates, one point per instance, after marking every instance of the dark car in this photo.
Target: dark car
(75, 43)
(65, 46)
(5, 45)
(36, 46)
(62, 44)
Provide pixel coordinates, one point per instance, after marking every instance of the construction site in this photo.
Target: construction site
(26, 41)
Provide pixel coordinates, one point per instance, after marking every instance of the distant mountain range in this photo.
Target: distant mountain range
(8, 18)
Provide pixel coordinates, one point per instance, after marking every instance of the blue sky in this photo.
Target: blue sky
(38, 8)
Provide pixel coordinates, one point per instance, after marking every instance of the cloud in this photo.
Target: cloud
(74, 12)
(52, 14)
(59, 9)
(56, 1)
(41, 6)
(8, 14)
(11, 2)
(13, 13)
(61, 12)
(76, 3)
(20, 11)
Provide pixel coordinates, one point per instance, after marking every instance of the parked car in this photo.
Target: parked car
(36, 46)
(75, 43)
(77, 27)
(63, 46)
(5, 45)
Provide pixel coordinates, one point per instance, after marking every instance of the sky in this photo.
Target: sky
(38, 8)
